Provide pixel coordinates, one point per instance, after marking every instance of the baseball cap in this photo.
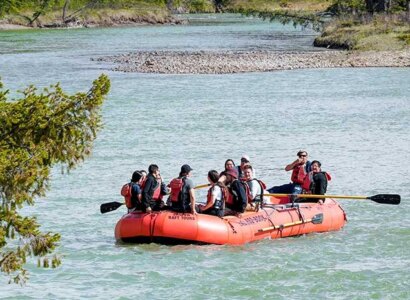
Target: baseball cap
(232, 172)
(245, 157)
(186, 169)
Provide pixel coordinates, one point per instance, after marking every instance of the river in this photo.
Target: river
(355, 121)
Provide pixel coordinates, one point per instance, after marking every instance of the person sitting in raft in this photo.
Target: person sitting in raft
(132, 192)
(216, 196)
(182, 194)
(144, 175)
(151, 190)
(236, 200)
(229, 164)
(136, 192)
(245, 161)
(315, 182)
(300, 168)
(256, 188)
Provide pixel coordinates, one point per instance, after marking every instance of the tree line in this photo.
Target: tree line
(31, 10)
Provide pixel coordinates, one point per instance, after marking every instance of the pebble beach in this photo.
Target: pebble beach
(202, 62)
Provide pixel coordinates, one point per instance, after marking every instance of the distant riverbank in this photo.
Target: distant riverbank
(252, 61)
(98, 18)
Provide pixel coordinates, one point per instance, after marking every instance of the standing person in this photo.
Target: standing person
(151, 190)
(215, 198)
(182, 192)
(237, 200)
(300, 168)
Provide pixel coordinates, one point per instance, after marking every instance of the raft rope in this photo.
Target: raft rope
(268, 215)
(301, 218)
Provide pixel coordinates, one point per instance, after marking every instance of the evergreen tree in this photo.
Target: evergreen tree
(36, 132)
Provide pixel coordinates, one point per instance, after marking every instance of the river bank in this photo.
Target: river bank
(202, 62)
(97, 18)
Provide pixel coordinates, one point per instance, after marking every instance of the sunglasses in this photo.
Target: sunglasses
(302, 155)
(244, 160)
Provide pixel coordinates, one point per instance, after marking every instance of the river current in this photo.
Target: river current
(355, 121)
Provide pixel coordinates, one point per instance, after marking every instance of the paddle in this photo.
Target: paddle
(381, 198)
(201, 186)
(316, 219)
(110, 206)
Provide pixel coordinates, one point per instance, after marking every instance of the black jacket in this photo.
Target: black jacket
(151, 184)
(319, 184)
(239, 196)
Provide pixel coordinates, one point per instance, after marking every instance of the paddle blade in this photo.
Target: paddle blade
(110, 206)
(317, 219)
(386, 199)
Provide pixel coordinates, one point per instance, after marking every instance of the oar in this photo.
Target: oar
(381, 198)
(201, 186)
(110, 206)
(316, 219)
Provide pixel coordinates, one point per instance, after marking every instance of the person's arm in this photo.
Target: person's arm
(192, 196)
(210, 203)
(292, 165)
(136, 190)
(147, 193)
(222, 177)
(164, 189)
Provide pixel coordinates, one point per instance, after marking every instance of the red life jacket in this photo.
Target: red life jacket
(224, 196)
(230, 197)
(308, 181)
(142, 184)
(247, 190)
(298, 174)
(126, 192)
(263, 187)
(157, 191)
(176, 186)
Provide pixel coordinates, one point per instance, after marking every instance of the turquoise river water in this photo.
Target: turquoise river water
(355, 121)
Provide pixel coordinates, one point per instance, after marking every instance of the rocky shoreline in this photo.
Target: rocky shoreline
(201, 62)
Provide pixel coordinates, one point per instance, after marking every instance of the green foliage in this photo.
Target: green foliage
(200, 6)
(286, 17)
(8, 6)
(405, 37)
(363, 7)
(36, 132)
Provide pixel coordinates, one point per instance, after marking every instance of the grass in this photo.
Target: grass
(103, 16)
(380, 33)
(308, 6)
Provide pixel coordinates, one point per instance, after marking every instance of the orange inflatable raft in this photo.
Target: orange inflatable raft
(271, 221)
